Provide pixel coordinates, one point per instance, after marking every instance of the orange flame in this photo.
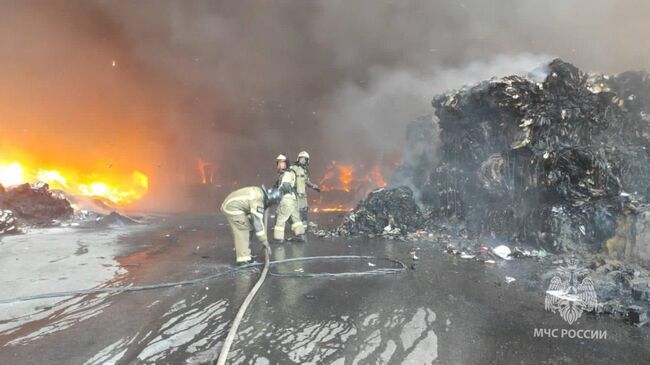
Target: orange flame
(206, 172)
(375, 175)
(113, 186)
(353, 181)
(347, 178)
(333, 209)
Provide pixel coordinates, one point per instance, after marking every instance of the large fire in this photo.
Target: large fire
(112, 186)
(348, 183)
(350, 178)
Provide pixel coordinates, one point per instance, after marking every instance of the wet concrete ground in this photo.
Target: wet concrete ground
(446, 311)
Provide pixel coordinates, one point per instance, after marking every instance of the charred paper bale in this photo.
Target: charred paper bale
(450, 182)
(36, 204)
(631, 87)
(394, 208)
(562, 228)
(553, 159)
(491, 175)
(579, 175)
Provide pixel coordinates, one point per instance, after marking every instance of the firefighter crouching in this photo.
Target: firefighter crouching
(245, 210)
(287, 207)
(301, 169)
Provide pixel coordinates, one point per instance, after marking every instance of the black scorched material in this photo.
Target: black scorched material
(36, 204)
(554, 161)
(556, 158)
(390, 211)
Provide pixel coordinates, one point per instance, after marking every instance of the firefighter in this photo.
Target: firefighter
(281, 165)
(287, 207)
(245, 211)
(301, 168)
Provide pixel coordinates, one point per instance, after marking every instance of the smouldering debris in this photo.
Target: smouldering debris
(35, 204)
(559, 163)
(556, 163)
(386, 212)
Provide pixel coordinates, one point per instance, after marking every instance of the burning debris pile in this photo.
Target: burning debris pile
(390, 212)
(556, 162)
(35, 204)
(557, 159)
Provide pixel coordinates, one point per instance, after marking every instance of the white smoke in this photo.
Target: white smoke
(371, 115)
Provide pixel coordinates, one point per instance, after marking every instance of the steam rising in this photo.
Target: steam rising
(156, 86)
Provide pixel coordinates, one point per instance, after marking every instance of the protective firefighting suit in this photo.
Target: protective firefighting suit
(287, 208)
(244, 209)
(302, 182)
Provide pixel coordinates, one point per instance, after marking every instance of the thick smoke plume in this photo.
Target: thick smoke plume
(159, 85)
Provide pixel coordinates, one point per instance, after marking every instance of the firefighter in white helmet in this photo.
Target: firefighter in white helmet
(301, 169)
(245, 210)
(287, 207)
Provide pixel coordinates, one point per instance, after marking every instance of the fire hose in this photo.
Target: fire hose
(223, 355)
(398, 267)
(221, 360)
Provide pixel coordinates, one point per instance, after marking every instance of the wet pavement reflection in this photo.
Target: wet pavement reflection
(444, 311)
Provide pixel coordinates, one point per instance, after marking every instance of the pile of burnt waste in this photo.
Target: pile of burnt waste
(36, 205)
(542, 167)
(559, 162)
(558, 159)
(391, 212)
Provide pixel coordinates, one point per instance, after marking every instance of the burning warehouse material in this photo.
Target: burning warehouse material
(35, 204)
(559, 159)
(344, 183)
(111, 186)
(351, 178)
(145, 217)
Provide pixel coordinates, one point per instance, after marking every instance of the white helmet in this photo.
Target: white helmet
(281, 157)
(303, 154)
